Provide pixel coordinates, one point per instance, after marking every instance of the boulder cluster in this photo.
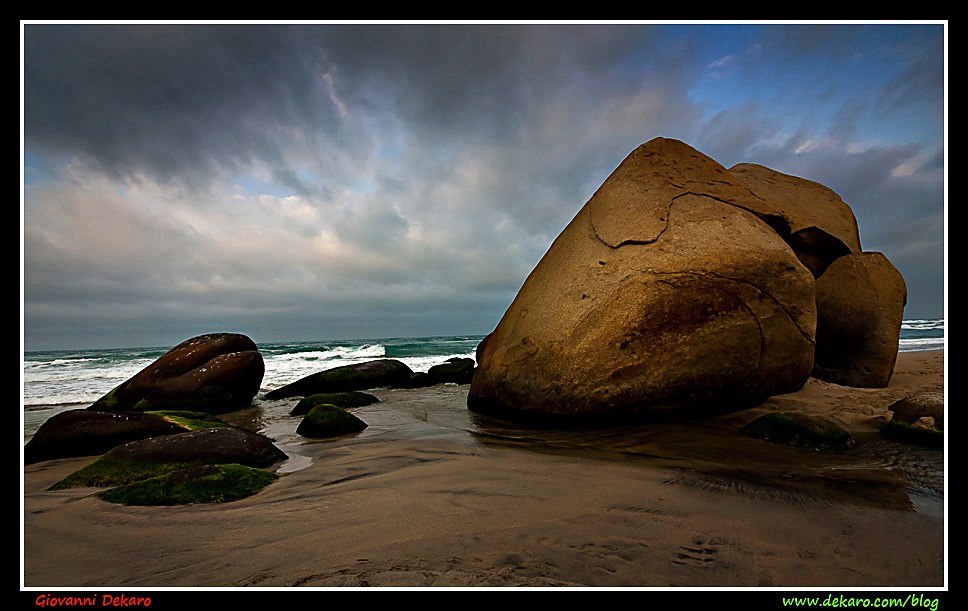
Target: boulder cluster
(159, 438)
(683, 288)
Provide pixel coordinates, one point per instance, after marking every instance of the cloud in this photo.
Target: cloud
(298, 179)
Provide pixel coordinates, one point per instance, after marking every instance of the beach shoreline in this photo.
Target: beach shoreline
(424, 500)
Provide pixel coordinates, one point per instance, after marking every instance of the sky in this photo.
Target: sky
(313, 181)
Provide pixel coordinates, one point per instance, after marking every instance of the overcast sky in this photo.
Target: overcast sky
(317, 181)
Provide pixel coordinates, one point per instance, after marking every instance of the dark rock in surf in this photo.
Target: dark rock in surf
(382, 373)
(456, 371)
(344, 400)
(213, 373)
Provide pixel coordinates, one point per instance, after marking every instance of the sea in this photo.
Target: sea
(59, 380)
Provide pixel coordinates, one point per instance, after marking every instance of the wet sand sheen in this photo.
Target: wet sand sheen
(433, 495)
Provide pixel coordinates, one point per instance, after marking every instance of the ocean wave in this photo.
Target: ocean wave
(926, 324)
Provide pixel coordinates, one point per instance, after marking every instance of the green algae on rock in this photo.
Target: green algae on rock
(799, 430)
(191, 421)
(913, 433)
(329, 421)
(199, 484)
(352, 398)
(168, 453)
(380, 373)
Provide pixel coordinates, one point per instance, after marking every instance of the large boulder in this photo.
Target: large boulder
(860, 306)
(665, 296)
(213, 373)
(381, 373)
(812, 218)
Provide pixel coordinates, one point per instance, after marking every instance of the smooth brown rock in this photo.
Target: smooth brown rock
(82, 432)
(213, 373)
(922, 405)
(811, 217)
(860, 306)
(661, 297)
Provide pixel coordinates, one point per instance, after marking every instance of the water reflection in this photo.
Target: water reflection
(708, 453)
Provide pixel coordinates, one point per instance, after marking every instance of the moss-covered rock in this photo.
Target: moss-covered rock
(913, 432)
(148, 458)
(799, 430)
(921, 405)
(345, 400)
(200, 484)
(329, 421)
(191, 421)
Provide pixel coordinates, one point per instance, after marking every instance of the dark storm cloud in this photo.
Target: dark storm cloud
(178, 103)
(268, 174)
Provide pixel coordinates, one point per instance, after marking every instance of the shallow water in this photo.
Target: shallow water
(710, 454)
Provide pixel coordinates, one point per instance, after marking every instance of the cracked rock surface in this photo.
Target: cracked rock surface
(665, 295)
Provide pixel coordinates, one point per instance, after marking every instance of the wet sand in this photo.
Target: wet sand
(432, 495)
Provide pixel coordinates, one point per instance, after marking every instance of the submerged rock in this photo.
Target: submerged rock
(664, 296)
(214, 373)
(799, 430)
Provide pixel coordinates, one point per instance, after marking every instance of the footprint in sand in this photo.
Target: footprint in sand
(699, 553)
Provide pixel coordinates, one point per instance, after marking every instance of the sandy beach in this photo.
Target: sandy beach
(432, 495)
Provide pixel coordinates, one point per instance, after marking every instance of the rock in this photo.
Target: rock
(329, 421)
(382, 373)
(146, 458)
(420, 379)
(922, 431)
(860, 306)
(812, 218)
(456, 371)
(799, 430)
(344, 400)
(200, 484)
(214, 373)
(921, 405)
(665, 296)
(82, 432)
